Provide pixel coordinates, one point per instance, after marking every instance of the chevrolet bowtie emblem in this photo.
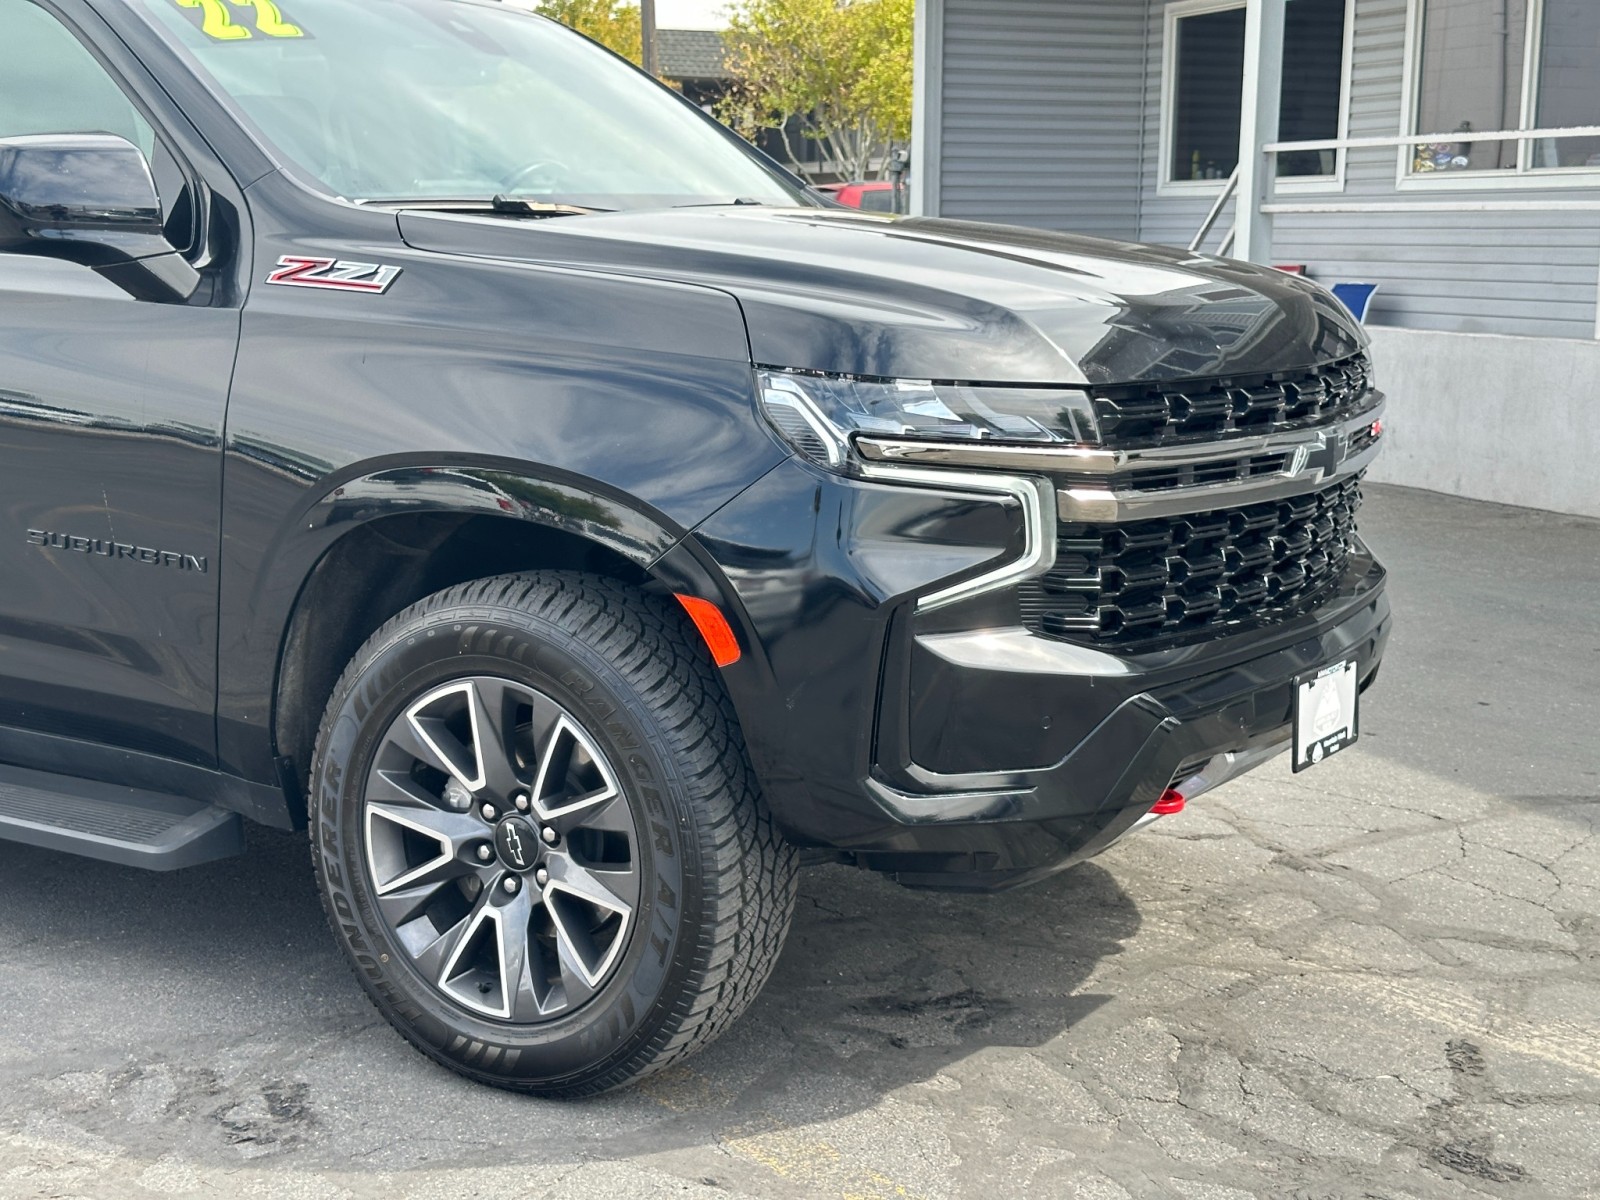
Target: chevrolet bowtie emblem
(1324, 456)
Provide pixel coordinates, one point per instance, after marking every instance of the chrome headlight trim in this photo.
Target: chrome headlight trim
(1037, 499)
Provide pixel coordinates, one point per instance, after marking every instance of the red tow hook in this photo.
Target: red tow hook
(1172, 801)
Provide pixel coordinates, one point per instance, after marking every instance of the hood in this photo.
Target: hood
(861, 294)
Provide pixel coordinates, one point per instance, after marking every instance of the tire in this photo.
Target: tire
(648, 886)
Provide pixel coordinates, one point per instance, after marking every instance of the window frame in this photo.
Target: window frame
(1165, 184)
(1294, 184)
(1521, 176)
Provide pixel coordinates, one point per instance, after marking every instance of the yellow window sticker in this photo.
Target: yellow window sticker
(261, 18)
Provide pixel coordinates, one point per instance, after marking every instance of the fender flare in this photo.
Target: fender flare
(334, 508)
(544, 497)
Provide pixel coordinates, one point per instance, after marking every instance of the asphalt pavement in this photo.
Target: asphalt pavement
(1377, 979)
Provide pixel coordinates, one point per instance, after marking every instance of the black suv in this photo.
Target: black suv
(421, 427)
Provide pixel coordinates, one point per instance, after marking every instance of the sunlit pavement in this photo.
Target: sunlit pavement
(1378, 978)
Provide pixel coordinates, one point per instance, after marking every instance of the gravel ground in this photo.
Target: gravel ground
(1381, 978)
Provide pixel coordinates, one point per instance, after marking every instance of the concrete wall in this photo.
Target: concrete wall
(1510, 419)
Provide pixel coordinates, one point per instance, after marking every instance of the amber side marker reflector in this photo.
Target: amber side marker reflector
(714, 628)
(1171, 801)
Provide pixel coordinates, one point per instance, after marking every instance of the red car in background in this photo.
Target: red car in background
(876, 196)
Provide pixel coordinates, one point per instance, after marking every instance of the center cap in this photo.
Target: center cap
(517, 843)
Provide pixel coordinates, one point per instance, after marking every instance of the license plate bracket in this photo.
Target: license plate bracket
(1326, 713)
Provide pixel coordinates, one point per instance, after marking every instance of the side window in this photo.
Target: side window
(50, 83)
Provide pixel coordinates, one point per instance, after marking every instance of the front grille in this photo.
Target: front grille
(1134, 416)
(1152, 581)
(1233, 470)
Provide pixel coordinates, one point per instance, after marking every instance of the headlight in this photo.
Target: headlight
(818, 414)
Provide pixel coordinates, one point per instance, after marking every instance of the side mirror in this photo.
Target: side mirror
(89, 198)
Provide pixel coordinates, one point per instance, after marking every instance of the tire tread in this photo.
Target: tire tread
(749, 871)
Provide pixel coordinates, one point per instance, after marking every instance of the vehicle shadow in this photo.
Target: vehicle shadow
(207, 1014)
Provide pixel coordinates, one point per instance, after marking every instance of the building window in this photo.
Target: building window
(1205, 73)
(1311, 104)
(1568, 89)
(1485, 65)
(1208, 69)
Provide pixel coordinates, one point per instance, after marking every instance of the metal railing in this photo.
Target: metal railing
(1429, 139)
(1401, 141)
(1215, 214)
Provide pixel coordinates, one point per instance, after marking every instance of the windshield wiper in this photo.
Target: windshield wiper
(515, 206)
(736, 202)
(541, 208)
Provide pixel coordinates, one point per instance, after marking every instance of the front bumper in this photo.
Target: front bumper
(1159, 728)
(955, 749)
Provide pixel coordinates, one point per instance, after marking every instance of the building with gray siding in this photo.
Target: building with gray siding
(1352, 135)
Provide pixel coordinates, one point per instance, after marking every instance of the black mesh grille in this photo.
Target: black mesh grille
(1148, 581)
(1143, 415)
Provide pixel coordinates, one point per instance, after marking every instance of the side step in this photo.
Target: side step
(114, 823)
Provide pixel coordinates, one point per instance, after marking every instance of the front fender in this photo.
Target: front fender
(366, 499)
(580, 507)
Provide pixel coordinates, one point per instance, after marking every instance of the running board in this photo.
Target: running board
(114, 823)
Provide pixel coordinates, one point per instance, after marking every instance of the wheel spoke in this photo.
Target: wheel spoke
(614, 890)
(493, 707)
(402, 905)
(546, 716)
(592, 912)
(515, 957)
(434, 957)
(397, 787)
(426, 735)
(430, 957)
(449, 828)
(392, 862)
(576, 985)
(566, 752)
(611, 815)
(476, 971)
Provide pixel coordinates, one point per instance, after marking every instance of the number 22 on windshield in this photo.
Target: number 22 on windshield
(216, 22)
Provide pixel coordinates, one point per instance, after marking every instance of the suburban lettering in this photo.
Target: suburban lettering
(107, 548)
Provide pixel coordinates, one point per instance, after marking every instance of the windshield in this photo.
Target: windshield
(446, 99)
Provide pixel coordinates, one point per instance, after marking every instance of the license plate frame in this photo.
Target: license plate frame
(1327, 713)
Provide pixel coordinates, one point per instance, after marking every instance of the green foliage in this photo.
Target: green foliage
(612, 23)
(838, 71)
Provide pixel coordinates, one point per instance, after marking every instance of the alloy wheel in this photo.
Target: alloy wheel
(503, 853)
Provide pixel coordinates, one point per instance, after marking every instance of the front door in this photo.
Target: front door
(111, 415)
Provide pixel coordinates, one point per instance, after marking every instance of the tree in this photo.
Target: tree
(612, 23)
(837, 72)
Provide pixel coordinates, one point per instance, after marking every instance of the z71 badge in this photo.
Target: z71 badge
(336, 274)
